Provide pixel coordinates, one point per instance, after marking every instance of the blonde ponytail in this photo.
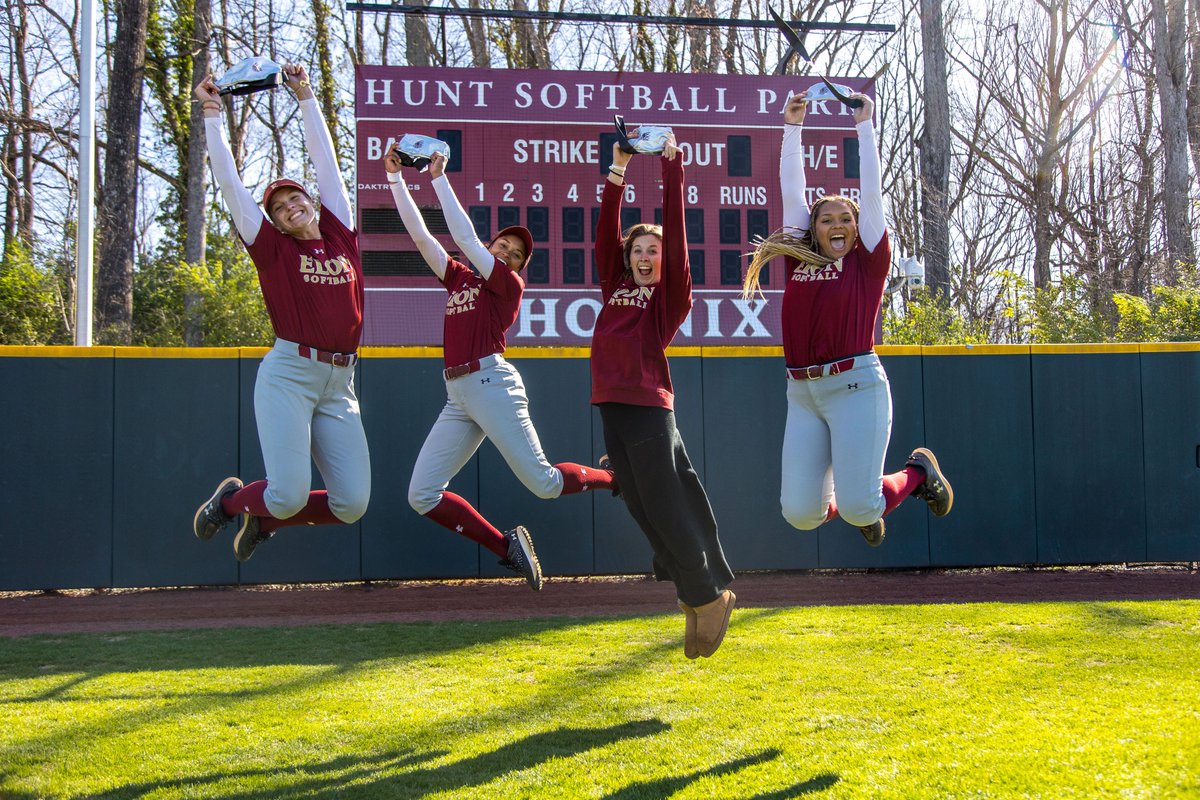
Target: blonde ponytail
(780, 243)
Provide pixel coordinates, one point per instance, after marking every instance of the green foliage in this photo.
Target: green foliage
(1171, 315)
(1067, 700)
(1067, 313)
(31, 301)
(929, 318)
(228, 300)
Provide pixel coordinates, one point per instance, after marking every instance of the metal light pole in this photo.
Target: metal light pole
(87, 179)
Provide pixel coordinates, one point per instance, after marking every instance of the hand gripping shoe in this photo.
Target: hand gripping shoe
(254, 74)
(418, 151)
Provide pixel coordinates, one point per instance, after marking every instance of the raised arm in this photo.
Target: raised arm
(330, 185)
(871, 219)
(791, 166)
(676, 271)
(414, 223)
(458, 222)
(248, 216)
(610, 257)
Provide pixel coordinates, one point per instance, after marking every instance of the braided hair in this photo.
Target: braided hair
(783, 242)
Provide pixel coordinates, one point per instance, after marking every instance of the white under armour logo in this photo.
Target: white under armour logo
(458, 528)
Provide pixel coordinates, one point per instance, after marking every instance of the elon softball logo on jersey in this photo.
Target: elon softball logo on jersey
(462, 300)
(633, 296)
(812, 272)
(334, 270)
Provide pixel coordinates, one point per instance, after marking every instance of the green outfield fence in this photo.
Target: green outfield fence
(1059, 454)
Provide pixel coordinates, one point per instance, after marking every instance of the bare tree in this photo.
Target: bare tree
(194, 201)
(481, 54)
(114, 306)
(418, 44)
(326, 88)
(1193, 92)
(1170, 68)
(934, 146)
(19, 148)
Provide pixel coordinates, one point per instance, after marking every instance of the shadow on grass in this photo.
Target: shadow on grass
(217, 648)
(817, 783)
(343, 653)
(1119, 617)
(347, 769)
(665, 787)
(370, 775)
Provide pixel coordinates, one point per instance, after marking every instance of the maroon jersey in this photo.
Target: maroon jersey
(478, 311)
(829, 312)
(629, 362)
(313, 288)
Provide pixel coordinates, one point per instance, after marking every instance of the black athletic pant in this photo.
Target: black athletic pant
(666, 498)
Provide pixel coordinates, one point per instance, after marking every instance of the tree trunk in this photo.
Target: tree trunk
(25, 192)
(934, 145)
(417, 42)
(117, 217)
(1193, 92)
(702, 44)
(1170, 72)
(481, 55)
(194, 200)
(8, 158)
(326, 89)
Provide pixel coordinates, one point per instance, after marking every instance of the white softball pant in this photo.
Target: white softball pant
(489, 403)
(307, 408)
(834, 444)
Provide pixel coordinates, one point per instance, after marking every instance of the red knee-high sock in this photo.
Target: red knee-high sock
(578, 478)
(315, 512)
(900, 485)
(832, 512)
(247, 500)
(457, 515)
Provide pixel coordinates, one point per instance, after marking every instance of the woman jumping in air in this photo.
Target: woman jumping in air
(485, 396)
(646, 286)
(304, 400)
(839, 415)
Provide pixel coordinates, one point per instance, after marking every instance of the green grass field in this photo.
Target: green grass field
(1051, 700)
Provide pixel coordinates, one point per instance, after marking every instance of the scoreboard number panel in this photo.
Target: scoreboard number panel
(532, 148)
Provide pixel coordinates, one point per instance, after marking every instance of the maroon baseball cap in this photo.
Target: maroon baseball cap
(275, 186)
(521, 233)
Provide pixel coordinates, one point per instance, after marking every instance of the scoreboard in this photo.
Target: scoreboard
(532, 148)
